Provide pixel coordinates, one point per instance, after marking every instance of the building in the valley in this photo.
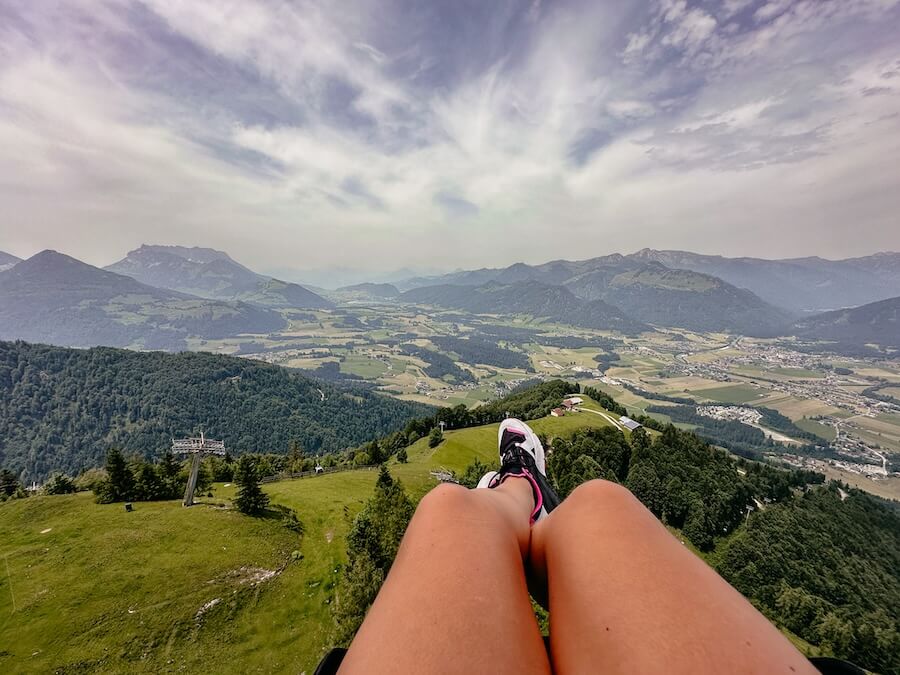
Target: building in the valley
(629, 423)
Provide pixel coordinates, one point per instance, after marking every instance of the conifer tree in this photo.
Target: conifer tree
(371, 546)
(9, 483)
(250, 498)
(120, 484)
(169, 468)
(149, 486)
(295, 455)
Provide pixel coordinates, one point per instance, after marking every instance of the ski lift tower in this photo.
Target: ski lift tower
(196, 448)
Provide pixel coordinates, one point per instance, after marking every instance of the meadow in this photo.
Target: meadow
(90, 587)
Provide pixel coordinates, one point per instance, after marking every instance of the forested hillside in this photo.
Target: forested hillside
(61, 409)
(528, 297)
(822, 561)
(825, 565)
(876, 323)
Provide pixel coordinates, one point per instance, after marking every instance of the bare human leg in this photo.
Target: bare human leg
(627, 597)
(455, 600)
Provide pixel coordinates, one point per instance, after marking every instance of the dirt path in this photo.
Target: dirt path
(609, 419)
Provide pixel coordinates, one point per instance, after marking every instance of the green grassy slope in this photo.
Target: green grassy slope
(110, 591)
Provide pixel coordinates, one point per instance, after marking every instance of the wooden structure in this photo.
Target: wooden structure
(196, 448)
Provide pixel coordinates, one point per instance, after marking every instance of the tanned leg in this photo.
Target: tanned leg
(455, 600)
(628, 597)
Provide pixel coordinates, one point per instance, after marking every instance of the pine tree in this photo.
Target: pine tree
(169, 468)
(371, 547)
(473, 473)
(435, 438)
(295, 456)
(149, 486)
(402, 456)
(250, 498)
(376, 455)
(121, 480)
(9, 483)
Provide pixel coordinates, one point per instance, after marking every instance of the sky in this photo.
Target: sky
(442, 134)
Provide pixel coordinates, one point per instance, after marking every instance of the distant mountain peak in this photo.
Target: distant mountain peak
(8, 260)
(50, 259)
(209, 273)
(196, 254)
(55, 298)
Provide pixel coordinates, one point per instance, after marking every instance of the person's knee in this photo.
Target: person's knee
(596, 494)
(445, 499)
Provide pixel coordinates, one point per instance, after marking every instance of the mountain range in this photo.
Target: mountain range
(54, 298)
(158, 297)
(208, 273)
(647, 292)
(535, 298)
(798, 284)
(371, 290)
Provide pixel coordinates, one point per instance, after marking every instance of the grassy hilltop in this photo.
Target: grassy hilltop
(90, 587)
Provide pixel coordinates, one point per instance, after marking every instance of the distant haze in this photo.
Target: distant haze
(361, 137)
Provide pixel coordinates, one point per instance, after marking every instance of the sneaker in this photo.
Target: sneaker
(522, 455)
(487, 479)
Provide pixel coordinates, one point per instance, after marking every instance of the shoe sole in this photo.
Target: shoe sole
(487, 479)
(538, 449)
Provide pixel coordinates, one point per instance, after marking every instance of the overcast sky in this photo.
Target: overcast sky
(449, 133)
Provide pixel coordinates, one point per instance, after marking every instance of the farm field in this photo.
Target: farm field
(739, 393)
(366, 341)
(823, 431)
(797, 408)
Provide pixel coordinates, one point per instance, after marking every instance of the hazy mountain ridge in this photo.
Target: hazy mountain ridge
(667, 297)
(646, 291)
(54, 298)
(209, 273)
(374, 290)
(7, 261)
(874, 323)
(527, 297)
(797, 284)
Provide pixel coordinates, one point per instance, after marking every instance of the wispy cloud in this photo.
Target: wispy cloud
(298, 133)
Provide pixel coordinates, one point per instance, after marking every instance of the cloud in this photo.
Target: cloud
(305, 133)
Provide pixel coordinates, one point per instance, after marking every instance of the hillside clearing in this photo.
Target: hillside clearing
(162, 589)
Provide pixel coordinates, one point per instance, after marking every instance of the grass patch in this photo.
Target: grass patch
(737, 393)
(823, 431)
(363, 366)
(110, 592)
